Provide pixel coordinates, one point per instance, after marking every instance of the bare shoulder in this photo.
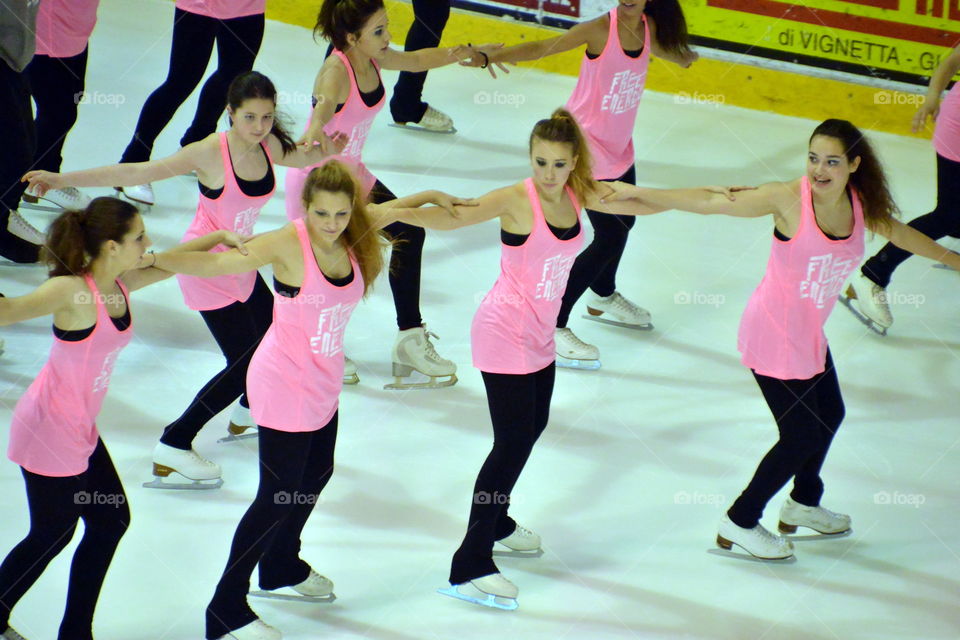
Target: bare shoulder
(595, 32)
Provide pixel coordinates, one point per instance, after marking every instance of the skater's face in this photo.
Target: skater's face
(128, 252)
(328, 215)
(828, 169)
(552, 164)
(253, 119)
(632, 7)
(374, 38)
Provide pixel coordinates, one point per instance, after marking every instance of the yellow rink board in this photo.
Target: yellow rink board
(706, 81)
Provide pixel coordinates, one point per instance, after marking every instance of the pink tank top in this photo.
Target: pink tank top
(354, 119)
(781, 331)
(223, 9)
(54, 430)
(605, 102)
(946, 134)
(513, 329)
(296, 374)
(64, 27)
(232, 211)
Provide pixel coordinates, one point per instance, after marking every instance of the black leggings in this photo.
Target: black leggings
(429, 19)
(808, 414)
(519, 409)
(405, 263)
(596, 266)
(238, 329)
(20, 143)
(56, 504)
(238, 41)
(942, 221)
(56, 85)
(294, 469)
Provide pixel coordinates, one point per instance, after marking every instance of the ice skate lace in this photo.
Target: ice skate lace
(523, 532)
(622, 304)
(71, 194)
(435, 118)
(18, 225)
(430, 353)
(574, 342)
(196, 457)
(879, 295)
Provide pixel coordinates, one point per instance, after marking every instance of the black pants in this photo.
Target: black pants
(56, 85)
(238, 41)
(294, 469)
(238, 329)
(20, 144)
(405, 263)
(596, 266)
(808, 414)
(519, 409)
(429, 19)
(942, 221)
(56, 504)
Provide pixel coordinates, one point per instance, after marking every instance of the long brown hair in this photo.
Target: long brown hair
(869, 179)
(672, 35)
(562, 127)
(339, 18)
(364, 242)
(254, 84)
(76, 238)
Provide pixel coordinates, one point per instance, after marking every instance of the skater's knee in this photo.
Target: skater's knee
(50, 540)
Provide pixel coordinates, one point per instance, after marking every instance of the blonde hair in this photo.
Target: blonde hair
(561, 126)
(364, 242)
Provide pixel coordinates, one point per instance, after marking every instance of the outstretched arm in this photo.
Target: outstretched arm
(493, 205)
(682, 58)
(771, 198)
(50, 297)
(262, 250)
(423, 59)
(938, 82)
(909, 239)
(401, 209)
(148, 273)
(577, 36)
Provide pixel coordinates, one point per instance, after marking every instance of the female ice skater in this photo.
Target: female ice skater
(236, 179)
(613, 72)
(819, 225)
(92, 255)
(868, 287)
(323, 265)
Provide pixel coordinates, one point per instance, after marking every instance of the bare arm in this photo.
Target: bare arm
(330, 88)
(422, 60)
(493, 205)
(144, 276)
(54, 295)
(684, 59)
(304, 155)
(195, 259)
(909, 239)
(401, 209)
(596, 200)
(576, 36)
(773, 197)
(947, 68)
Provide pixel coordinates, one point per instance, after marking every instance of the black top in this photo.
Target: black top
(517, 239)
(780, 236)
(290, 291)
(251, 188)
(633, 53)
(122, 324)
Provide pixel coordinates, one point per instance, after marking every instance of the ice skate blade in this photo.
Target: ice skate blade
(583, 365)
(486, 600)
(294, 597)
(237, 432)
(625, 325)
(940, 265)
(513, 553)
(870, 324)
(791, 529)
(726, 549)
(140, 204)
(36, 205)
(434, 383)
(193, 485)
(351, 379)
(413, 126)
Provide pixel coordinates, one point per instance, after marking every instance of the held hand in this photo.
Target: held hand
(235, 241)
(729, 191)
(39, 182)
(336, 144)
(449, 202)
(480, 55)
(617, 193)
(689, 59)
(929, 109)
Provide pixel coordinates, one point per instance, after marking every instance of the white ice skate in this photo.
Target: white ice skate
(522, 543)
(66, 198)
(574, 353)
(350, 375)
(433, 121)
(872, 306)
(414, 351)
(793, 515)
(241, 422)
(11, 634)
(18, 226)
(256, 630)
(140, 193)
(758, 542)
(618, 311)
(203, 474)
(316, 588)
(491, 591)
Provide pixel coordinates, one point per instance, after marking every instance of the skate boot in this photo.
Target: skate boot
(522, 543)
(414, 351)
(574, 353)
(433, 121)
(350, 375)
(490, 591)
(316, 588)
(872, 305)
(240, 423)
(202, 473)
(619, 312)
(11, 634)
(18, 226)
(757, 541)
(66, 198)
(256, 630)
(793, 515)
(141, 193)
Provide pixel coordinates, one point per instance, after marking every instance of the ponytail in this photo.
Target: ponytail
(77, 236)
(339, 18)
(671, 24)
(562, 127)
(251, 85)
